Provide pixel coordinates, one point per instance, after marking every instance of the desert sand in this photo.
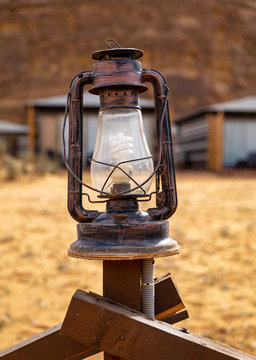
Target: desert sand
(215, 272)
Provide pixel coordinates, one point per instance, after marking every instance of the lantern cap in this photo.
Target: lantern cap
(108, 54)
(116, 52)
(117, 68)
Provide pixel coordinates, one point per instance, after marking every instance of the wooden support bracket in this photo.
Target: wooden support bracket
(51, 345)
(95, 324)
(120, 331)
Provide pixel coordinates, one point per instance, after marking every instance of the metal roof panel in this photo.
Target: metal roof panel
(242, 105)
(7, 127)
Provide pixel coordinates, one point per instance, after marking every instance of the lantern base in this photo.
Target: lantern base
(123, 236)
(103, 251)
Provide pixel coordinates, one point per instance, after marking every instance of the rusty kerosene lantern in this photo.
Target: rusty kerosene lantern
(122, 167)
(124, 237)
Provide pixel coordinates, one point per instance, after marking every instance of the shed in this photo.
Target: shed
(218, 136)
(14, 136)
(45, 117)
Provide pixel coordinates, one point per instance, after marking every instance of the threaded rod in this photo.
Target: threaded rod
(148, 288)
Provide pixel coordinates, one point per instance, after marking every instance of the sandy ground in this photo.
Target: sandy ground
(215, 223)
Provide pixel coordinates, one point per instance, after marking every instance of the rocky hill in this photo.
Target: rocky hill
(205, 49)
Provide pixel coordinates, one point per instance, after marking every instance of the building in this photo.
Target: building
(13, 137)
(45, 118)
(218, 136)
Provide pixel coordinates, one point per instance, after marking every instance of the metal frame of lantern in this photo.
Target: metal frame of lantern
(117, 78)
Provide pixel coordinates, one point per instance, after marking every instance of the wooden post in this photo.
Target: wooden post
(121, 283)
(31, 123)
(215, 141)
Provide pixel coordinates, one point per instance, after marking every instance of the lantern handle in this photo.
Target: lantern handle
(106, 42)
(74, 163)
(166, 200)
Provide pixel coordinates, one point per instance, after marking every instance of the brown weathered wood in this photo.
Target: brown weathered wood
(168, 300)
(167, 293)
(121, 283)
(126, 256)
(48, 345)
(129, 334)
(183, 315)
(111, 357)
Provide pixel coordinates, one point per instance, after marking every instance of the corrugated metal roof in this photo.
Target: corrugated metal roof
(243, 105)
(7, 127)
(89, 100)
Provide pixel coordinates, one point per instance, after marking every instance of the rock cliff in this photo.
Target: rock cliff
(205, 49)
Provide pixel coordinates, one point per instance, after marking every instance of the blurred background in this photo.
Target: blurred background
(206, 52)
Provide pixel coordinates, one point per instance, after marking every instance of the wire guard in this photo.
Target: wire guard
(117, 166)
(138, 186)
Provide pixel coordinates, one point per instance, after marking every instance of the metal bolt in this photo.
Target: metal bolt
(184, 330)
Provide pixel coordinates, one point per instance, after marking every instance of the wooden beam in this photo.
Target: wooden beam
(126, 333)
(48, 345)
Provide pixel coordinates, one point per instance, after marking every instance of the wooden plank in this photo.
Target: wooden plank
(129, 334)
(121, 283)
(167, 293)
(48, 345)
(167, 299)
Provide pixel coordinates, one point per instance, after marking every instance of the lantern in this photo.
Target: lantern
(122, 167)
